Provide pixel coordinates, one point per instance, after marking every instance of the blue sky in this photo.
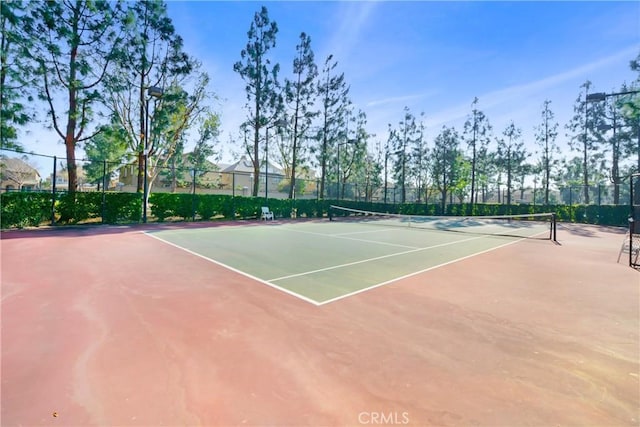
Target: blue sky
(433, 57)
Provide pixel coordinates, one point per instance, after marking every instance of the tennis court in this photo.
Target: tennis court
(323, 261)
(260, 323)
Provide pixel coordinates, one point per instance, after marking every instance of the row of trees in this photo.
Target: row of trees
(318, 126)
(94, 62)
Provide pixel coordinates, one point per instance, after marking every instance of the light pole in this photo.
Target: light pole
(156, 93)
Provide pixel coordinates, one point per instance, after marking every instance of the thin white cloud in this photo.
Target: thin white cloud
(399, 99)
(513, 94)
(353, 18)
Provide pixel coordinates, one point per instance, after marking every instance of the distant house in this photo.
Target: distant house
(17, 175)
(128, 174)
(170, 179)
(240, 174)
(207, 175)
(62, 179)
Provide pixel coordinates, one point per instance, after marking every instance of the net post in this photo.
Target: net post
(553, 226)
(53, 192)
(631, 230)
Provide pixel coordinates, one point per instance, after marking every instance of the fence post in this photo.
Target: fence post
(632, 230)
(570, 196)
(193, 195)
(104, 179)
(53, 192)
(233, 195)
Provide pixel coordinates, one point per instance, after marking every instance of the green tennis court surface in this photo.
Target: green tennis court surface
(321, 261)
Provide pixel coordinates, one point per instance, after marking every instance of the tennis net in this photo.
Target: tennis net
(531, 226)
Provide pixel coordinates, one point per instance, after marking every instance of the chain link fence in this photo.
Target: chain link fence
(37, 172)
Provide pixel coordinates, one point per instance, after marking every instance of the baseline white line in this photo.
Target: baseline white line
(424, 270)
(339, 236)
(334, 267)
(287, 291)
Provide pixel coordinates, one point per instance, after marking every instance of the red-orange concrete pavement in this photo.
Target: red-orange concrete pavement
(116, 328)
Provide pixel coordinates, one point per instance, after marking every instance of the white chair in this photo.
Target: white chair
(266, 214)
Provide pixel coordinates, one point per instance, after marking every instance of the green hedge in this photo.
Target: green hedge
(24, 209)
(118, 207)
(32, 209)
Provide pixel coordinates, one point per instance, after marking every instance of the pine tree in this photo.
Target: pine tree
(333, 92)
(16, 73)
(300, 94)
(546, 135)
(511, 155)
(404, 138)
(445, 161)
(151, 55)
(580, 126)
(261, 80)
(76, 42)
(477, 135)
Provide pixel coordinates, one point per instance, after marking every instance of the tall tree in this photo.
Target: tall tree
(511, 155)
(152, 55)
(106, 151)
(485, 168)
(580, 126)
(77, 39)
(354, 154)
(477, 135)
(261, 80)
(175, 114)
(631, 112)
(445, 163)
(460, 185)
(16, 73)
(405, 137)
(570, 176)
(419, 165)
(333, 93)
(205, 147)
(546, 134)
(371, 174)
(300, 95)
(611, 133)
(388, 148)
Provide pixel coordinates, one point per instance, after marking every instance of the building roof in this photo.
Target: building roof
(245, 166)
(17, 165)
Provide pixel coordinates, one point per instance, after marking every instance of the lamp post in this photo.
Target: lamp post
(156, 93)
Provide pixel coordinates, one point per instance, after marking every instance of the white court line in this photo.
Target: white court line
(316, 303)
(334, 267)
(341, 236)
(366, 232)
(422, 271)
(287, 291)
